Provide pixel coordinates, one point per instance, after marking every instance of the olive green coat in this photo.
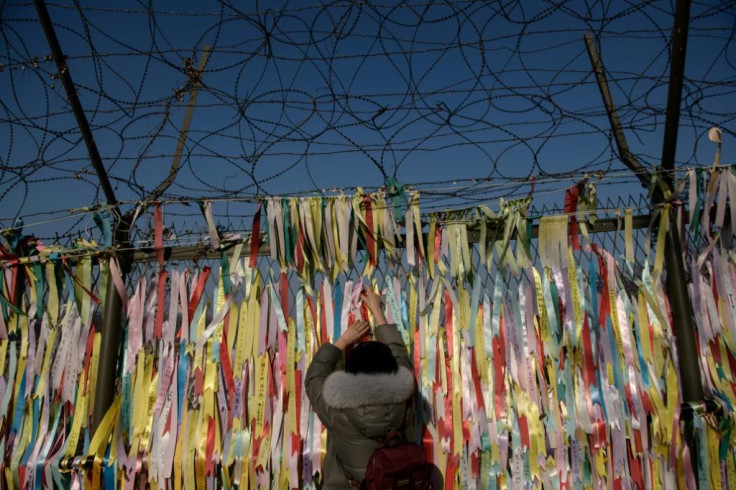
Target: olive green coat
(357, 409)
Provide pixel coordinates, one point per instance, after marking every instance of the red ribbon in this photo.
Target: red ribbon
(589, 362)
(323, 318)
(364, 316)
(255, 237)
(635, 469)
(227, 371)
(417, 356)
(448, 322)
(499, 360)
(428, 444)
(88, 357)
(197, 295)
(198, 381)
(160, 307)
(732, 364)
(284, 286)
(437, 243)
(571, 205)
(604, 311)
(296, 444)
(476, 380)
(475, 464)
(524, 430)
(298, 404)
(452, 465)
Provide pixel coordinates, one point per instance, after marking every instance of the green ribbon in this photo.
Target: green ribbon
(397, 192)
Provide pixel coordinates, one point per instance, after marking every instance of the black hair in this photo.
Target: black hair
(371, 357)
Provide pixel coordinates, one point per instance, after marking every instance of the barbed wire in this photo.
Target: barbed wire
(195, 233)
(439, 196)
(301, 97)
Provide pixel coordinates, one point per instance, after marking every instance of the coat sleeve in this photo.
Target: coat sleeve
(322, 365)
(389, 335)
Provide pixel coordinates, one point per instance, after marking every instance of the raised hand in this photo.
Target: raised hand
(353, 333)
(373, 302)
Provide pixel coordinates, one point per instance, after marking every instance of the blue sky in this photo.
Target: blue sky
(302, 98)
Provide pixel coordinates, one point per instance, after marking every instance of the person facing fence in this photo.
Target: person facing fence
(362, 404)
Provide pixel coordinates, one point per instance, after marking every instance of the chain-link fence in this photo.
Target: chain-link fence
(505, 354)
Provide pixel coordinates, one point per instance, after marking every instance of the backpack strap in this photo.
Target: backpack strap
(393, 438)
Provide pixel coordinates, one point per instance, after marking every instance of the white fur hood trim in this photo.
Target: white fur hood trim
(346, 390)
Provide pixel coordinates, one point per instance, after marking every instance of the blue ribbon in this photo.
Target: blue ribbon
(614, 356)
(19, 407)
(181, 378)
(102, 220)
(125, 417)
(15, 233)
(336, 327)
(225, 272)
(110, 473)
(34, 432)
(70, 286)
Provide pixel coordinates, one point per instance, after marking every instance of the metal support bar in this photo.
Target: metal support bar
(111, 319)
(692, 387)
(73, 97)
(618, 132)
(674, 93)
(682, 311)
(682, 315)
(110, 342)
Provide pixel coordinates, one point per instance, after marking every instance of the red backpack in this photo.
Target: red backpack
(397, 464)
